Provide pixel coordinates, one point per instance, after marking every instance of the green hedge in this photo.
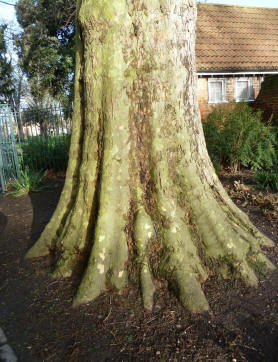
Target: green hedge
(239, 137)
(266, 179)
(39, 153)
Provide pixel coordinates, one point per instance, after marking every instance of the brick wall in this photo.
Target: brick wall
(267, 99)
(257, 83)
(202, 92)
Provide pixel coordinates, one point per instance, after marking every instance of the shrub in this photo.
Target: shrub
(267, 180)
(45, 153)
(239, 137)
(28, 181)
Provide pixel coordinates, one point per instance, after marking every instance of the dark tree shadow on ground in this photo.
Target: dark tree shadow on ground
(3, 223)
(44, 204)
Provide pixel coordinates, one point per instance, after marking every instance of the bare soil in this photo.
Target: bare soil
(41, 325)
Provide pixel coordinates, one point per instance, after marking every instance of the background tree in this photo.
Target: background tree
(6, 70)
(12, 82)
(42, 114)
(47, 47)
(141, 198)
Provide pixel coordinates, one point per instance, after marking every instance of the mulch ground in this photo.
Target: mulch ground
(41, 325)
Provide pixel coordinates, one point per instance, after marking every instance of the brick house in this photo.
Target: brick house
(267, 99)
(236, 48)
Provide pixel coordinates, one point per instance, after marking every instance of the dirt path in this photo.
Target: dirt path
(40, 325)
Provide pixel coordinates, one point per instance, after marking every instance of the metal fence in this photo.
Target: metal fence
(43, 137)
(33, 138)
(9, 164)
(43, 122)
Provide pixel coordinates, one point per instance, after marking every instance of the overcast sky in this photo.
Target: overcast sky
(7, 13)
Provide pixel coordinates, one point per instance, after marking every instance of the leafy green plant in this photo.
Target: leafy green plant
(239, 137)
(267, 179)
(42, 154)
(28, 181)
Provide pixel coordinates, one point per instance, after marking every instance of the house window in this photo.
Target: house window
(217, 90)
(244, 90)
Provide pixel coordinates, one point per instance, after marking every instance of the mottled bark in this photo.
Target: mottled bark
(141, 197)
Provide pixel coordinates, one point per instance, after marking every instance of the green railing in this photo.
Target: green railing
(9, 164)
(33, 138)
(43, 138)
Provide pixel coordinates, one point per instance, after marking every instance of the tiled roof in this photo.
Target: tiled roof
(236, 38)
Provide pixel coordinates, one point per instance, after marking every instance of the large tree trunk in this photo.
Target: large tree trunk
(141, 197)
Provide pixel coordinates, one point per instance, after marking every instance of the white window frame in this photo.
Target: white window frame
(250, 96)
(223, 82)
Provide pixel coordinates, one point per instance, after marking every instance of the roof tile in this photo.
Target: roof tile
(236, 38)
